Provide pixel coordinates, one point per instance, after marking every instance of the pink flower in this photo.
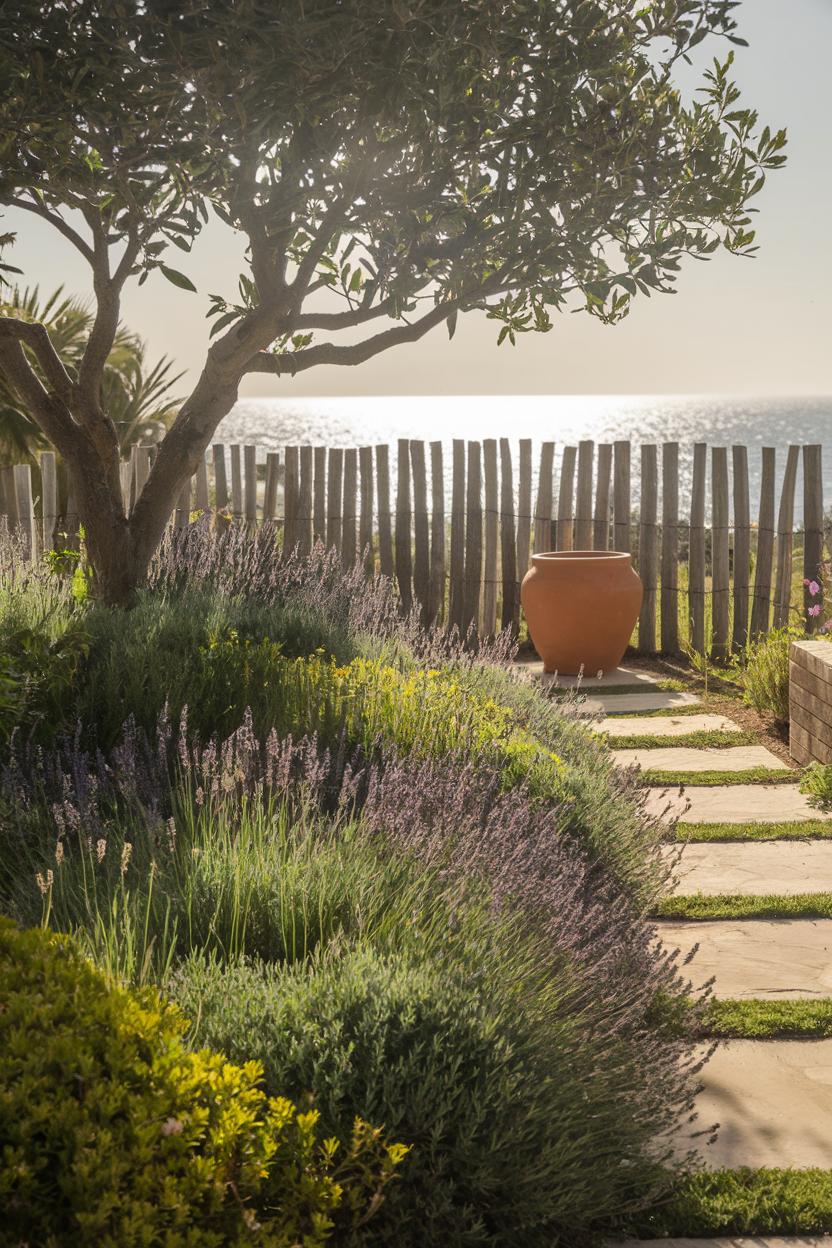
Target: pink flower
(814, 588)
(172, 1127)
(815, 610)
(827, 628)
(805, 582)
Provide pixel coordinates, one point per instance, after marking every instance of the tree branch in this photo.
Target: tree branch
(54, 219)
(48, 410)
(36, 337)
(342, 320)
(329, 353)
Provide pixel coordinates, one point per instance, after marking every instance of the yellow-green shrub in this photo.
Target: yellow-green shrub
(111, 1130)
(428, 712)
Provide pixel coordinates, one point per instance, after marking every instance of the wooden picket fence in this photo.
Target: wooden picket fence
(712, 575)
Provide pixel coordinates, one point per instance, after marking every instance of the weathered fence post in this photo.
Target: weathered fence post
(583, 500)
(49, 498)
(385, 533)
(785, 541)
(761, 606)
(457, 561)
(812, 533)
(220, 478)
(436, 600)
(202, 485)
(492, 505)
(545, 495)
(670, 548)
(237, 482)
(334, 485)
(270, 491)
(648, 547)
(348, 516)
(508, 539)
(473, 539)
(365, 523)
(565, 510)
(601, 522)
(304, 529)
(319, 499)
(720, 533)
(404, 558)
(621, 496)
(742, 547)
(696, 556)
(250, 482)
(524, 507)
(421, 532)
(25, 509)
(290, 498)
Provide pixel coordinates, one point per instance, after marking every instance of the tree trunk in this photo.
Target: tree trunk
(110, 548)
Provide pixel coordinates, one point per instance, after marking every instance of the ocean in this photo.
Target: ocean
(565, 419)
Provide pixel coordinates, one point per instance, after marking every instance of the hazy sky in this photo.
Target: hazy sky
(736, 326)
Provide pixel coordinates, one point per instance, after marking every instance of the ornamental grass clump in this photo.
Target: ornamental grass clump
(112, 1130)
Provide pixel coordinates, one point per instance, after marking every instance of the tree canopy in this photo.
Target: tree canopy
(391, 163)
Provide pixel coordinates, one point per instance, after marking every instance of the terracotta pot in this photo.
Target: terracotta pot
(581, 607)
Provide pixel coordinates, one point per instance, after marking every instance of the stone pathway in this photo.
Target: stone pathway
(665, 725)
(736, 803)
(773, 959)
(772, 1098)
(738, 1241)
(626, 703)
(773, 1102)
(729, 758)
(784, 867)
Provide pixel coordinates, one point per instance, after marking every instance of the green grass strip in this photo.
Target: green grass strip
(607, 691)
(793, 830)
(664, 712)
(702, 740)
(752, 1019)
(702, 779)
(754, 906)
(741, 1202)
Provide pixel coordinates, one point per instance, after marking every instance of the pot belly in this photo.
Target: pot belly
(581, 622)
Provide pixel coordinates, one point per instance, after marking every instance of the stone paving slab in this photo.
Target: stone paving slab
(738, 1241)
(783, 867)
(674, 758)
(776, 959)
(665, 725)
(635, 703)
(620, 676)
(732, 803)
(773, 1101)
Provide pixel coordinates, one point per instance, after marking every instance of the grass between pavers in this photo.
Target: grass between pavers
(788, 830)
(606, 691)
(742, 1201)
(700, 906)
(702, 740)
(701, 779)
(664, 712)
(754, 1019)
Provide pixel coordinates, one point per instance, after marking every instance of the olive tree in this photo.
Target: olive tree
(391, 164)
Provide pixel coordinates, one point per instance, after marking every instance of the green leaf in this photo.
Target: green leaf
(177, 279)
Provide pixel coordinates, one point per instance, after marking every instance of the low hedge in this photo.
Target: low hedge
(523, 1120)
(111, 1130)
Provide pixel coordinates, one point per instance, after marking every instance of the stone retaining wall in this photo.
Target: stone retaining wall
(810, 701)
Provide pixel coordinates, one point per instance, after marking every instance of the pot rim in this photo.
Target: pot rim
(575, 556)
